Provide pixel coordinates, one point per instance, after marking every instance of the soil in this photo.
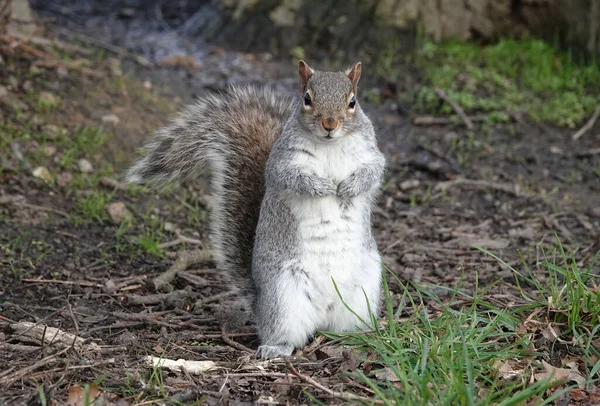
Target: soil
(527, 183)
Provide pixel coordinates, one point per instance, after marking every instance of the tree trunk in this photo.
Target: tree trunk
(5, 11)
(349, 25)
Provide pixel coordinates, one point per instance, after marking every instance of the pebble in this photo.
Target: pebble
(51, 131)
(556, 150)
(170, 227)
(118, 212)
(115, 67)
(49, 150)
(63, 179)
(42, 172)
(110, 119)
(409, 184)
(48, 99)
(85, 166)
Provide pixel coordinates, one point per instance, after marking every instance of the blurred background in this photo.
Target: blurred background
(487, 112)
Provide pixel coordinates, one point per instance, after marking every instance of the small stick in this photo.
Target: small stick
(52, 43)
(211, 336)
(107, 46)
(339, 395)
(180, 239)
(184, 259)
(157, 298)
(430, 120)
(587, 125)
(461, 113)
(77, 283)
(233, 344)
(115, 184)
(9, 380)
(42, 208)
(593, 151)
(213, 298)
(506, 188)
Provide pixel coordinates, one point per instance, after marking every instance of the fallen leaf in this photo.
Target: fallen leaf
(193, 367)
(579, 395)
(559, 375)
(506, 371)
(85, 166)
(42, 172)
(119, 213)
(386, 374)
(76, 395)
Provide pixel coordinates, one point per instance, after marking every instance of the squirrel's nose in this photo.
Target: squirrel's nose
(329, 124)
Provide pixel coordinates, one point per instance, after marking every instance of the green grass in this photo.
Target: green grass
(149, 242)
(450, 355)
(93, 206)
(512, 75)
(570, 296)
(85, 141)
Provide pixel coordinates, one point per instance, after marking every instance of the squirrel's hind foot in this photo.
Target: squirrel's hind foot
(274, 351)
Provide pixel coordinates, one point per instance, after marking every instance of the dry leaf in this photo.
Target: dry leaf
(559, 375)
(506, 370)
(578, 395)
(76, 395)
(193, 367)
(386, 374)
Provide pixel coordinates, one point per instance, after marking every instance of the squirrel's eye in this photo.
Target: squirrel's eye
(307, 100)
(352, 102)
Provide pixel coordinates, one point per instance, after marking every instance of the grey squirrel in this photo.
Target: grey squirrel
(294, 185)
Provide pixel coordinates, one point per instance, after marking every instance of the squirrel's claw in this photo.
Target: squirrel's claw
(274, 351)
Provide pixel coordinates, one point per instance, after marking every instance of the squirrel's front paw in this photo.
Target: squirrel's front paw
(347, 189)
(274, 351)
(324, 187)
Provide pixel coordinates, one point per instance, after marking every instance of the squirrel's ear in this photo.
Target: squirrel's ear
(354, 76)
(305, 73)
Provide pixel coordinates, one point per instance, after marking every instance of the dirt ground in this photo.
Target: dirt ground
(508, 188)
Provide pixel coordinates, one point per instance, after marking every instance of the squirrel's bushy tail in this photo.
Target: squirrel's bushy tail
(232, 133)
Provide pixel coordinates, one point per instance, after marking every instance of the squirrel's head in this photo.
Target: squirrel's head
(329, 101)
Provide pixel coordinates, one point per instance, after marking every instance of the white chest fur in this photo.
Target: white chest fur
(331, 233)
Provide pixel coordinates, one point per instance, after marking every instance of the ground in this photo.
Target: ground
(80, 250)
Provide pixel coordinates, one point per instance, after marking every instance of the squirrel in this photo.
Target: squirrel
(294, 185)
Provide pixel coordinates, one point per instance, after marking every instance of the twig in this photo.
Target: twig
(18, 200)
(69, 65)
(213, 298)
(590, 152)
(212, 336)
(234, 344)
(481, 184)
(185, 259)
(20, 347)
(43, 208)
(8, 381)
(147, 318)
(587, 125)
(461, 113)
(431, 120)
(339, 395)
(179, 240)
(52, 43)
(76, 283)
(105, 45)
(170, 297)
(112, 183)
(42, 334)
